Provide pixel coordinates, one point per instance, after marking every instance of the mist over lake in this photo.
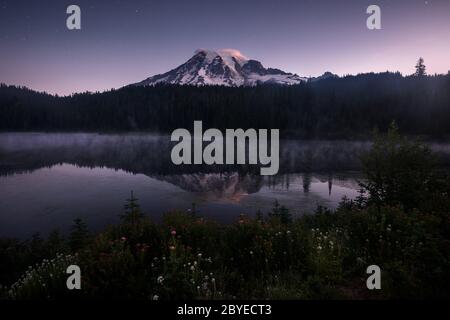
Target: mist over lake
(47, 180)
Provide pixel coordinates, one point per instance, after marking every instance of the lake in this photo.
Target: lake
(49, 179)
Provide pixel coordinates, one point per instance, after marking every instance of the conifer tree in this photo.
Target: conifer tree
(79, 234)
(420, 68)
(133, 212)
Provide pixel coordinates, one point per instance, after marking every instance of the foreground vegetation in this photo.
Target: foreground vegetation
(400, 222)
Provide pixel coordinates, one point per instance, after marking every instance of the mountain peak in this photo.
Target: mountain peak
(325, 75)
(223, 53)
(227, 67)
(233, 53)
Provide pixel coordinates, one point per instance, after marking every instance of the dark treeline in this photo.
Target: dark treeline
(348, 107)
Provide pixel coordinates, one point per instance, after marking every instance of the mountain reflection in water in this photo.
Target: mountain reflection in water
(47, 180)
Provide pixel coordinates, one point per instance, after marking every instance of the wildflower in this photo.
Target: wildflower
(160, 279)
(251, 252)
(155, 297)
(172, 248)
(319, 248)
(173, 232)
(123, 239)
(199, 255)
(192, 268)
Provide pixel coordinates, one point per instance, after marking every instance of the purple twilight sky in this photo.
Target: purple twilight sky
(125, 41)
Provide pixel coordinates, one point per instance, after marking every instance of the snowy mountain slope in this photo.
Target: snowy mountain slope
(227, 67)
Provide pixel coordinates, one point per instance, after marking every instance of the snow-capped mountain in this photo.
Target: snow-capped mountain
(227, 67)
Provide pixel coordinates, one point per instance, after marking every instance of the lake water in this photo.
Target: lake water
(47, 180)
